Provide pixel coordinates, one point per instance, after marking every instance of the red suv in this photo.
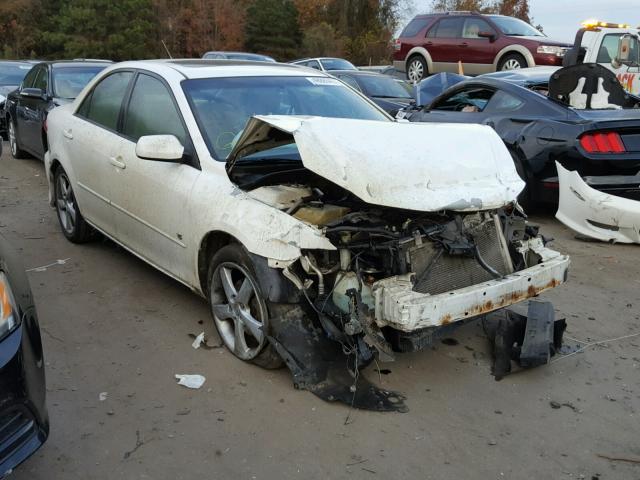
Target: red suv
(483, 43)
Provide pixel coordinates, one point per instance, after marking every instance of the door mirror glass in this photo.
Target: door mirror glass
(32, 93)
(166, 148)
(628, 52)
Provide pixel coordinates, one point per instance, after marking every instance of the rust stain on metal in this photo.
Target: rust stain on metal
(504, 301)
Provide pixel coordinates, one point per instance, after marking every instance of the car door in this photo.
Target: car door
(30, 114)
(17, 98)
(150, 197)
(443, 44)
(477, 52)
(628, 76)
(466, 105)
(92, 139)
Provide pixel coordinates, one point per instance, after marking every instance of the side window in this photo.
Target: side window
(503, 102)
(103, 105)
(414, 27)
(151, 111)
(42, 80)
(469, 101)
(314, 64)
(350, 81)
(608, 48)
(447, 28)
(30, 78)
(473, 26)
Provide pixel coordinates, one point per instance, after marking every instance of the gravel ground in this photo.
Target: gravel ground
(111, 323)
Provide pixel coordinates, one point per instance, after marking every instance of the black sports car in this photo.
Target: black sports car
(579, 116)
(24, 423)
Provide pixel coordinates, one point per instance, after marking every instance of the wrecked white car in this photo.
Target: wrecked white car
(322, 233)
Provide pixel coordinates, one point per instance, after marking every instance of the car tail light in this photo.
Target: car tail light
(397, 45)
(602, 142)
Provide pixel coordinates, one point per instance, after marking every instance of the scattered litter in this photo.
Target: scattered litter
(190, 381)
(44, 267)
(199, 339)
(103, 396)
(591, 344)
(618, 459)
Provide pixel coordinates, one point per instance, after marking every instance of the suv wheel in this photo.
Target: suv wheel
(512, 61)
(416, 68)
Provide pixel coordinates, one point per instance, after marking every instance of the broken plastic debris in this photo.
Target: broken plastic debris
(199, 339)
(190, 381)
(44, 267)
(103, 396)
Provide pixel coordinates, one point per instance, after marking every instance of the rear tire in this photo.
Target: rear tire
(14, 144)
(512, 61)
(416, 68)
(72, 223)
(239, 310)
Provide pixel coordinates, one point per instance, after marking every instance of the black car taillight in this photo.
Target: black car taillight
(602, 142)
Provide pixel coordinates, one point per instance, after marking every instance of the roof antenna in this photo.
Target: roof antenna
(165, 47)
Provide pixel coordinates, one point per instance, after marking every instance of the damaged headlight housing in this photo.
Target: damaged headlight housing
(552, 50)
(9, 316)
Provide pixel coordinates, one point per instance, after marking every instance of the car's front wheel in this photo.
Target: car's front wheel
(512, 61)
(73, 224)
(416, 68)
(16, 151)
(239, 310)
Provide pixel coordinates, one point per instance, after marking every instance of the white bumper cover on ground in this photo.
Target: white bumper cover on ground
(596, 214)
(398, 306)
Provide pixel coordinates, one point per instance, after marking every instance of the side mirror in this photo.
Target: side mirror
(165, 148)
(628, 52)
(490, 35)
(32, 93)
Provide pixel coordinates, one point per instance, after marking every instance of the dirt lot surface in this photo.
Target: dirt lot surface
(111, 323)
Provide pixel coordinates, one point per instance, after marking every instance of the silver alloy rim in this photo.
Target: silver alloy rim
(416, 70)
(238, 310)
(65, 204)
(12, 139)
(511, 64)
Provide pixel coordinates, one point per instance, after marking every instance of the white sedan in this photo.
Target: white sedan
(278, 192)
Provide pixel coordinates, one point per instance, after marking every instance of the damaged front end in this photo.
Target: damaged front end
(399, 278)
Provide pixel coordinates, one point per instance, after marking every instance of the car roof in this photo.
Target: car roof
(20, 62)
(523, 76)
(205, 68)
(76, 63)
(359, 73)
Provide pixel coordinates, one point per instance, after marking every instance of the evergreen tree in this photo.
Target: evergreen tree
(272, 28)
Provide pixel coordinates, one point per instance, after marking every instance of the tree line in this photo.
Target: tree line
(360, 30)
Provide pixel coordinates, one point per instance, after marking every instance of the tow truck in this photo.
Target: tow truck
(615, 46)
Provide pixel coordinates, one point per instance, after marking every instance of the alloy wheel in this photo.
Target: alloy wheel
(12, 139)
(65, 204)
(416, 71)
(238, 310)
(511, 64)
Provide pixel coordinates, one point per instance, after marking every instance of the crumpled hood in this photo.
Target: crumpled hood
(414, 166)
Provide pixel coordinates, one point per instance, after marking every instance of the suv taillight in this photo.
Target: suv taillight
(397, 45)
(602, 142)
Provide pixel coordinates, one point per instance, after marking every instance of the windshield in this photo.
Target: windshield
(223, 106)
(68, 82)
(13, 73)
(337, 64)
(516, 27)
(382, 87)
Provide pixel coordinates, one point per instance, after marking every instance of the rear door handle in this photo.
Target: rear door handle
(116, 162)
(464, 44)
(428, 44)
(67, 134)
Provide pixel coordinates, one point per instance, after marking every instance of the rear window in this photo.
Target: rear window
(414, 27)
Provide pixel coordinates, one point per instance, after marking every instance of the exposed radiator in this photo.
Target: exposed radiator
(450, 272)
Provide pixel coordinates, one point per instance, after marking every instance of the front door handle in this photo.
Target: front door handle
(117, 162)
(464, 44)
(67, 134)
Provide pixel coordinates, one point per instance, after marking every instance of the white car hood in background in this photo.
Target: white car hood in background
(416, 166)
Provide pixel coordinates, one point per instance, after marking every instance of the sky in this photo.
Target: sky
(561, 18)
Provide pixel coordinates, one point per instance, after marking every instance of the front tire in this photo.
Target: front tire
(72, 223)
(416, 68)
(14, 145)
(512, 61)
(239, 310)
